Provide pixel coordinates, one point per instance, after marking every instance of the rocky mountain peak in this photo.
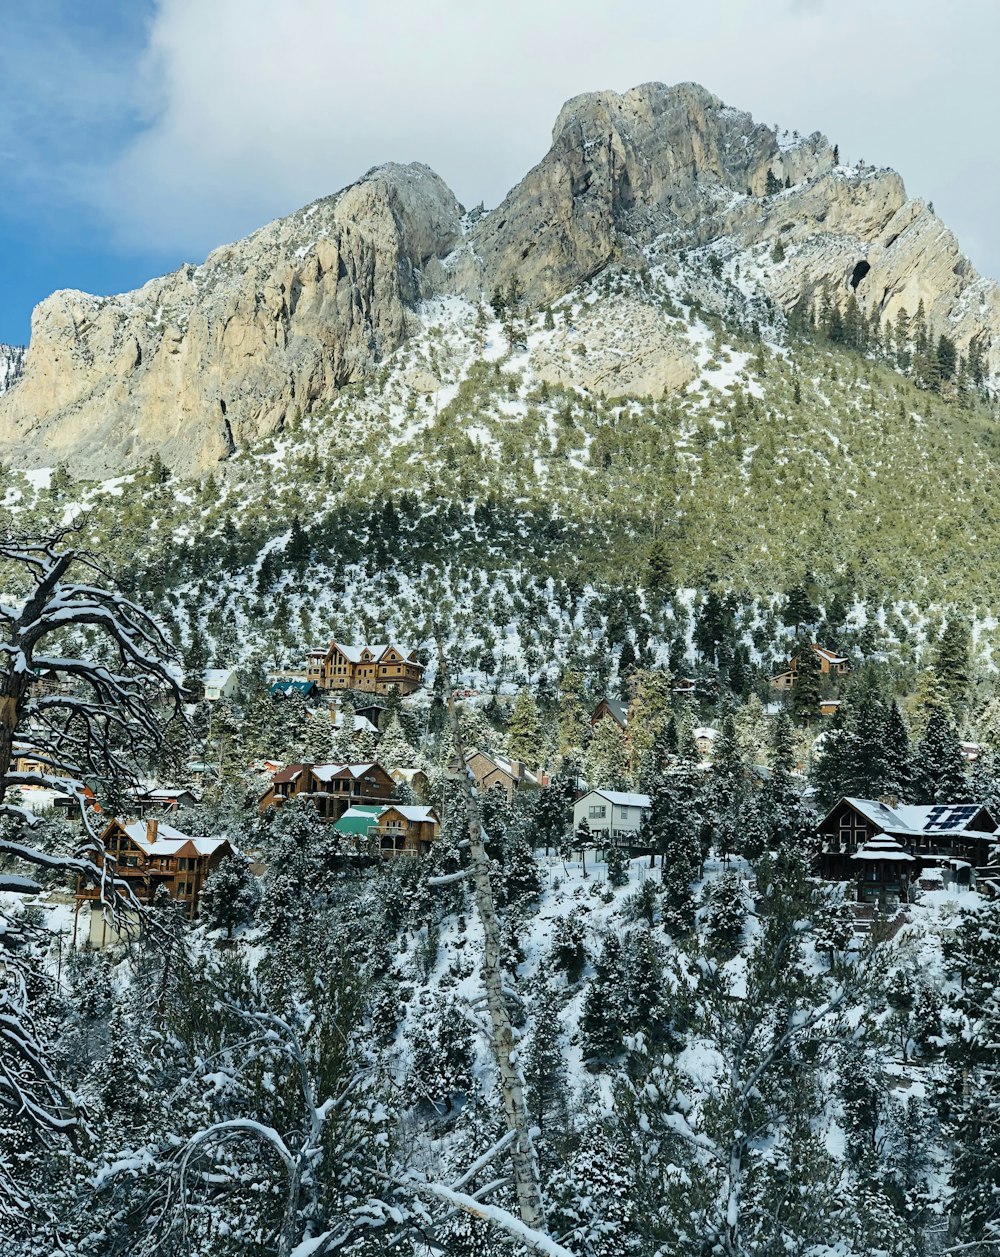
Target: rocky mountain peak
(210, 357)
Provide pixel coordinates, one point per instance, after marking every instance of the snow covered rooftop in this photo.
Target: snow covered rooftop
(621, 798)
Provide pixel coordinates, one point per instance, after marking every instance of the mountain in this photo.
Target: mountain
(211, 358)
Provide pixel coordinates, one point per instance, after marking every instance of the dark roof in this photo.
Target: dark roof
(618, 710)
(305, 688)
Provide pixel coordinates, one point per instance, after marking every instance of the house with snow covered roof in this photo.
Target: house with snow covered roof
(866, 840)
(150, 854)
(219, 683)
(614, 816)
(332, 788)
(610, 709)
(377, 668)
(396, 830)
(496, 772)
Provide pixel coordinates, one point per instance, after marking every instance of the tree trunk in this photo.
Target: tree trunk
(529, 1201)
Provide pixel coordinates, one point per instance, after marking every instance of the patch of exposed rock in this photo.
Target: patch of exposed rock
(634, 354)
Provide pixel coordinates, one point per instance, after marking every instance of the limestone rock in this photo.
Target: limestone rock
(199, 362)
(636, 354)
(210, 357)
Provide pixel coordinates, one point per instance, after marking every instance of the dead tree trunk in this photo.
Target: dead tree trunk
(529, 1201)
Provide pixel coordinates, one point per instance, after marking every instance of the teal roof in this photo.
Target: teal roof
(359, 825)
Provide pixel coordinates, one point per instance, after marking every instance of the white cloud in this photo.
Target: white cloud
(253, 108)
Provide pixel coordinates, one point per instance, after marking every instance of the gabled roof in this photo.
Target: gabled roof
(621, 798)
(618, 710)
(291, 772)
(520, 773)
(219, 676)
(414, 814)
(914, 819)
(170, 841)
(829, 655)
(305, 688)
(361, 723)
(326, 772)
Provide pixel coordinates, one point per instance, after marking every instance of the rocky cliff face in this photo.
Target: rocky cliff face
(215, 355)
(203, 360)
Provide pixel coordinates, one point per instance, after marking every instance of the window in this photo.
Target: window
(597, 812)
(624, 812)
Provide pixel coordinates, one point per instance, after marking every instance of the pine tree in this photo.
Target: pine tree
(231, 896)
(608, 757)
(523, 731)
(938, 770)
(603, 1017)
(726, 915)
(545, 1066)
(952, 662)
(394, 750)
(807, 690)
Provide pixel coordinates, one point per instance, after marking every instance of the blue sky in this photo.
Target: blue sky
(66, 75)
(138, 134)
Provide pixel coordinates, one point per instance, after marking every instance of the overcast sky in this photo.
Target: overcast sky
(137, 134)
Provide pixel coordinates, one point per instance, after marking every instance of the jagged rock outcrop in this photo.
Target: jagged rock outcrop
(622, 170)
(199, 362)
(212, 356)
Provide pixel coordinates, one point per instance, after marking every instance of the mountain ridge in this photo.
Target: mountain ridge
(210, 358)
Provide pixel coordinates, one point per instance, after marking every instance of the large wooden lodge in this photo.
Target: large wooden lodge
(332, 788)
(378, 669)
(149, 854)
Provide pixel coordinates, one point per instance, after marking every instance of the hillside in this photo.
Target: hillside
(468, 486)
(203, 362)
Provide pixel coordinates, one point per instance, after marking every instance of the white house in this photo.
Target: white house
(219, 683)
(611, 814)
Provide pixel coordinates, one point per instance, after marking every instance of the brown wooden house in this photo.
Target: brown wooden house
(406, 831)
(610, 709)
(885, 847)
(333, 788)
(149, 854)
(379, 668)
(494, 772)
(830, 665)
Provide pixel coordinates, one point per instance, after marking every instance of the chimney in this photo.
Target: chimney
(152, 826)
(516, 769)
(889, 800)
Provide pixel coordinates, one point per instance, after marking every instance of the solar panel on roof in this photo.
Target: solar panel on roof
(945, 817)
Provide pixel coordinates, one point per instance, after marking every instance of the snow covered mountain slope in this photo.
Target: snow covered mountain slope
(202, 362)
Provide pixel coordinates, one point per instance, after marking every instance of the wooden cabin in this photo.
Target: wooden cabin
(149, 854)
(955, 837)
(377, 669)
(406, 831)
(610, 709)
(830, 665)
(332, 788)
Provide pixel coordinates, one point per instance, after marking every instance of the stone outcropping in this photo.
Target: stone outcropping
(203, 360)
(212, 356)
